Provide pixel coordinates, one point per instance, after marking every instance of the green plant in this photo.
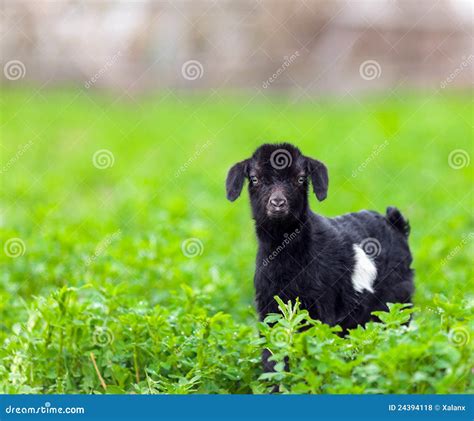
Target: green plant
(386, 357)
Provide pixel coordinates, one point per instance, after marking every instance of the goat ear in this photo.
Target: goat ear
(319, 177)
(235, 179)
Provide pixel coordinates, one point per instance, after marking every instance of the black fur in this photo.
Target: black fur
(302, 254)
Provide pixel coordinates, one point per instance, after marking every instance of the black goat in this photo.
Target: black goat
(343, 268)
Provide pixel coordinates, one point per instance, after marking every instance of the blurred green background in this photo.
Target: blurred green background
(166, 167)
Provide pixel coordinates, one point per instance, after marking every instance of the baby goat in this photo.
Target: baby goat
(343, 268)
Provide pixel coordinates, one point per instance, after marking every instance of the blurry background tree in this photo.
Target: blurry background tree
(241, 44)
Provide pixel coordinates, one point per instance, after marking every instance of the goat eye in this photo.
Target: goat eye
(301, 179)
(253, 180)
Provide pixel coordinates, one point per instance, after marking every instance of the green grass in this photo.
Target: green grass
(102, 286)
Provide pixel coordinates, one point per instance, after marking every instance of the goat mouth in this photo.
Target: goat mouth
(277, 213)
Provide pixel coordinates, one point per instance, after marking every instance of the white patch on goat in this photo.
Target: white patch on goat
(365, 271)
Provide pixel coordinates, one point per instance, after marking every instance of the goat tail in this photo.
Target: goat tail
(397, 221)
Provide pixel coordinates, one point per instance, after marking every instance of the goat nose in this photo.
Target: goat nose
(278, 201)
